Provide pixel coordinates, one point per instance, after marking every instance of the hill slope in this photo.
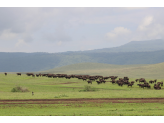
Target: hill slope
(30, 62)
(151, 71)
(135, 46)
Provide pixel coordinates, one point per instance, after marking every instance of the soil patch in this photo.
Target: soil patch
(59, 83)
(68, 83)
(83, 100)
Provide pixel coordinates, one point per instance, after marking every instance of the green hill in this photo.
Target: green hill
(152, 71)
(135, 52)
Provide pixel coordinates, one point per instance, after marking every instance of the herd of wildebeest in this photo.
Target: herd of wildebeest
(101, 79)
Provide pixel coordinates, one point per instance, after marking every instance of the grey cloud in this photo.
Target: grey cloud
(18, 19)
(56, 37)
(58, 33)
(28, 38)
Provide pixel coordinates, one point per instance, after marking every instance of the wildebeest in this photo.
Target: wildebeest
(19, 74)
(157, 87)
(126, 82)
(142, 80)
(103, 81)
(160, 83)
(139, 85)
(30, 74)
(155, 80)
(89, 81)
(68, 77)
(5, 74)
(113, 77)
(37, 75)
(98, 82)
(113, 81)
(93, 79)
(84, 79)
(54, 76)
(126, 78)
(106, 78)
(151, 81)
(130, 84)
(148, 86)
(142, 86)
(120, 83)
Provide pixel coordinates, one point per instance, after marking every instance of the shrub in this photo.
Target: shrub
(88, 88)
(19, 89)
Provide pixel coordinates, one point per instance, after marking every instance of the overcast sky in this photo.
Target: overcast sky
(60, 29)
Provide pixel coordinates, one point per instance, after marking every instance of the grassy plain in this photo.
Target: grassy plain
(61, 88)
(91, 109)
(50, 88)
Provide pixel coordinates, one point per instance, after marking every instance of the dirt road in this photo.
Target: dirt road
(83, 100)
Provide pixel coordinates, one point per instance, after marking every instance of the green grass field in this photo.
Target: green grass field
(91, 109)
(48, 88)
(61, 88)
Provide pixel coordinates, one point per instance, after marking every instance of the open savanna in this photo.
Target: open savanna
(89, 109)
(50, 88)
(61, 88)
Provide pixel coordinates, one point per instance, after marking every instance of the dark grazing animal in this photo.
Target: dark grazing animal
(130, 84)
(142, 80)
(103, 81)
(155, 80)
(89, 81)
(157, 87)
(126, 78)
(142, 86)
(120, 83)
(113, 81)
(30, 74)
(98, 82)
(19, 74)
(84, 79)
(151, 81)
(160, 83)
(106, 78)
(37, 75)
(5, 74)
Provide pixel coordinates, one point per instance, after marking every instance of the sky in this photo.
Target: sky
(61, 29)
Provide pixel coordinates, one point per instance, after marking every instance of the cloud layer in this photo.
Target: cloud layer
(60, 29)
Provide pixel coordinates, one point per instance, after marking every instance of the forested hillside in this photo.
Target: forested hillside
(26, 62)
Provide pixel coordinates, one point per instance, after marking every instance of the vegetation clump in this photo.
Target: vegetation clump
(19, 89)
(61, 95)
(88, 88)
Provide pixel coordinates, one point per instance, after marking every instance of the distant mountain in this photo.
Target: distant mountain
(135, 46)
(135, 52)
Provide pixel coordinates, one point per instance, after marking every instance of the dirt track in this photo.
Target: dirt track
(83, 100)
